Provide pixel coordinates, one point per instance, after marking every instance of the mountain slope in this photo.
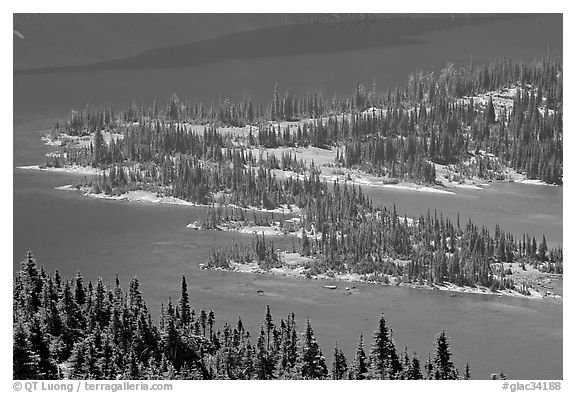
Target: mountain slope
(48, 40)
(163, 40)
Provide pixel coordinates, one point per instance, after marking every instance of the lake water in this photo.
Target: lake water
(102, 238)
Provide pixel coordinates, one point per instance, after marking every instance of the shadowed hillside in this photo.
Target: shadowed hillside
(48, 40)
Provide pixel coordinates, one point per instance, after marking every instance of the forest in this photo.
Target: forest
(342, 233)
(405, 134)
(67, 329)
(477, 118)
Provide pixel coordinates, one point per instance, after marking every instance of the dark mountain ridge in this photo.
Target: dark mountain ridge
(85, 42)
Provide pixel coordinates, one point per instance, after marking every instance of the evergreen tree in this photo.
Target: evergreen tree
(313, 363)
(490, 112)
(112, 336)
(24, 362)
(264, 365)
(185, 316)
(40, 347)
(443, 366)
(269, 325)
(99, 147)
(359, 366)
(384, 360)
(80, 292)
(339, 365)
(429, 368)
(415, 372)
(543, 249)
(467, 372)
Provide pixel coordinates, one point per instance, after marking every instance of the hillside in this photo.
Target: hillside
(95, 41)
(73, 39)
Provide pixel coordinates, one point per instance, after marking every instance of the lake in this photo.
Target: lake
(102, 238)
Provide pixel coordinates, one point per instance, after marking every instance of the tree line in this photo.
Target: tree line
(67, 329)
(209, 167)
(403, 133)
(353, 236)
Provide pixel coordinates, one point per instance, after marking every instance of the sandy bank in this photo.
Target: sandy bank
(294, 265)
(74, 169)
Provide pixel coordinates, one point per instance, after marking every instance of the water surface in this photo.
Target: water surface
(102, 238)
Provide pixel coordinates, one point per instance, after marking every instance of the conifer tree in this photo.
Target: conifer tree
(490, 112)
(31, 281)
(99, 147)
(313, 363)
(383, 353)
(415, 372)
(429, 368)
(406, 366)
(443, 366)
(79, 291)
(40, 347)
(184, 303)
(116, 338)
(211, 320)
(339, 365)
(203, 320)
(24, 362)
(359, 368)
(467, 372)
(264, 365)
(543, 249)
(269, 324)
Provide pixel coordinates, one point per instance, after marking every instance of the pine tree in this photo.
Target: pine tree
(121, 341)
(78, 361)
(359, 366)
(133, 371)
(99, 147)
(429, 368)
(490, 112)
(24, 362)
(543, 249)
(415, 372)
(269, 323)
(264, 365)
(135, 301)
(40, 347)
(467, 372)
(184, 303)
(313, 363)
(203, 319)
(80, 292)
(443, 366)
(406, 366)
(339, 365)
(31, 281)
(172, 111)
(211, 320)
(384, 360)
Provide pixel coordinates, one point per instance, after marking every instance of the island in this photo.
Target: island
(296, 167)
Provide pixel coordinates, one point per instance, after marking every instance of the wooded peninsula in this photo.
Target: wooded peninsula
(500, 121)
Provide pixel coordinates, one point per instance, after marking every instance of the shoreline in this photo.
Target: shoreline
(70, 169)
(446, 179)
(297, 271)
(90, 171)
(141, 196)
(293, 266)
